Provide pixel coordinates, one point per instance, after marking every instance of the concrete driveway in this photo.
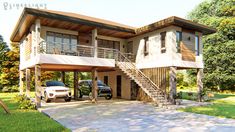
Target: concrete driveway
(125, 116)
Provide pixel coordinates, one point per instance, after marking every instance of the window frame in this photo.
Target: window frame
(146, 46)
(62, 35)
(197, 45)
(179, 37)
(163, 42)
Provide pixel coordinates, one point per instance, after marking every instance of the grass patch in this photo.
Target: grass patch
(223, 106)
(25, 120)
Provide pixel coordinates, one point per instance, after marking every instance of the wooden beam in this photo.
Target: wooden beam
(199, 84)
(94, 84)
(21, 83)
(63, 76)
(28, 82)
(4, 106)
(75, 76)
(173, 84)
(38, 86)
(80, 20)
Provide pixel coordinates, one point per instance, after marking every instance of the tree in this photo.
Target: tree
(219, 48)
(3, 49)
(9, 77)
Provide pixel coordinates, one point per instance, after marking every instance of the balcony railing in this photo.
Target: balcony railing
(79, 50)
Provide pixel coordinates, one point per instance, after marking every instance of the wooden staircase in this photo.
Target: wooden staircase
(150, 88)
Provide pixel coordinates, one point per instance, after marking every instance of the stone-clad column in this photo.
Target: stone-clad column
(38, 86)
(28, 83)
(199, 84)
(173, 82)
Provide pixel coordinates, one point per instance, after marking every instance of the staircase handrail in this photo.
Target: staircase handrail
(139, 71)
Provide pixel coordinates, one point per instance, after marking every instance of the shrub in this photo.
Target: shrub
(13, 88)
(24, 102)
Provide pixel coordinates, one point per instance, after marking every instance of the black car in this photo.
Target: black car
(85, 87)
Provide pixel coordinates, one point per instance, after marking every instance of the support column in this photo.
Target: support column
(37, 36)
(75, 76)
(28, 83)
(94, 84)
(95, 42)
(173, 82)
(199, 84)
(38, 86)
(63, 76)
(21, 89)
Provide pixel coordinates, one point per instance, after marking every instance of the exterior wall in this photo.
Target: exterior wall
(126, 83)
(177, 57)
(154, 58)
(157, 59)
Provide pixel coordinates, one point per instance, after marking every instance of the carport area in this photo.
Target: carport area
(125, 115)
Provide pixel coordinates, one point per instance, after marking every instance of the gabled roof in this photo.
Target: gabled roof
(177, 22)
(82, 23)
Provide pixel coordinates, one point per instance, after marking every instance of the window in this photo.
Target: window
(146, 44)
(129, 47)
(163, 42)
(57, 42)
(108, 44)
(197, 45)
(178, 40)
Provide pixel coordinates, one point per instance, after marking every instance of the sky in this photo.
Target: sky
(134, 13)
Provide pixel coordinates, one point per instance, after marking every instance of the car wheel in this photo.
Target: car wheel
(67, 99)
(80, 93)
(47, 100)
(90, 96)
(108, 97)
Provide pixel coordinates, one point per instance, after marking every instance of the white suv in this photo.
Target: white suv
(55, 89)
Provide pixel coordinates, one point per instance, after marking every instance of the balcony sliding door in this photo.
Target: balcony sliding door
(58, 43)
(106, 48)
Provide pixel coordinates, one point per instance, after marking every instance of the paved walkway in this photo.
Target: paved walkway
(125, 116)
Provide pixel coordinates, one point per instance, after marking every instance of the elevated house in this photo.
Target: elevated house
(138, 63)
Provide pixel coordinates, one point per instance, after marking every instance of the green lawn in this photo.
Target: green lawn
(25, 120)
(223, 106)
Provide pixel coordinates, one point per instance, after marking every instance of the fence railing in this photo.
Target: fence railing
(79, 50)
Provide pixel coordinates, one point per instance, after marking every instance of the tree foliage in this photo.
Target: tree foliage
(9, 77)
(3, 49)
(219, 48)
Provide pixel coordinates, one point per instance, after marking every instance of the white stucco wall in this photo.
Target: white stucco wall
(157, 59)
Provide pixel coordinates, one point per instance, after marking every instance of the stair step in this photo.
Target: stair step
(143, 82)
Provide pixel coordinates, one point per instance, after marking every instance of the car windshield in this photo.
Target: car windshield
(100, 83)
(54, 83)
